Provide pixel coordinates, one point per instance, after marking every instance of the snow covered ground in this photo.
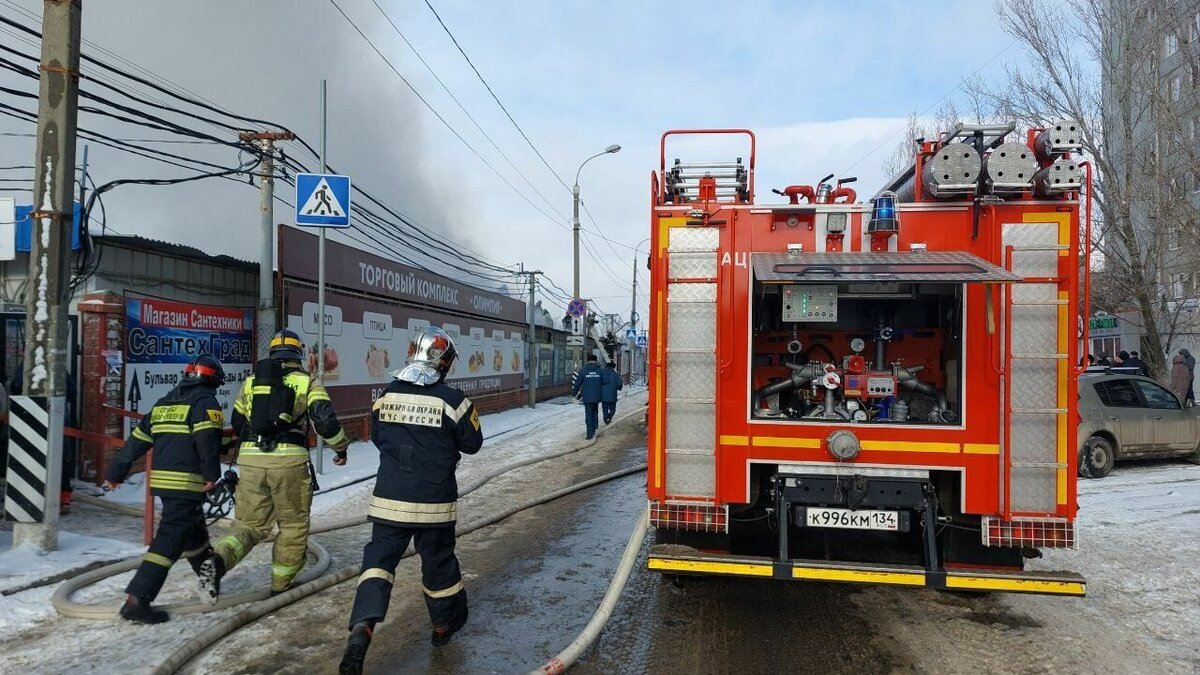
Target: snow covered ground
(23, 565)
(27, 618)
(1140, 538)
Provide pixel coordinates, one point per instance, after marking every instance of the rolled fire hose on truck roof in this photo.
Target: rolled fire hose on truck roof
(312, 580)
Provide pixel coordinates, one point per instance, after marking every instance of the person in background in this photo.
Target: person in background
(184, 428)
(1189, 362)
(587, 388)
(610, 384)
(1104, 360)
(422, 427)
(1132, 361)
(1180, 377)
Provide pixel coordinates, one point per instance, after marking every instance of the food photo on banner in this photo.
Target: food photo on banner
(162, 336)
(366, 341)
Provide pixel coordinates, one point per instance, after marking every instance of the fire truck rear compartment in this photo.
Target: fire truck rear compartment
(859, 353)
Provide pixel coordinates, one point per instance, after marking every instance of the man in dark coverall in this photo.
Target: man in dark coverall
(184, 427)
(588, 388)
(420, 426)
(610, 384)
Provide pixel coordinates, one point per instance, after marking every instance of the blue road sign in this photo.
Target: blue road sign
(630, 333)
(577, 307)
(641, 341)
(322, 200)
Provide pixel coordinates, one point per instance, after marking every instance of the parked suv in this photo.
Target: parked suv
(1124, 416)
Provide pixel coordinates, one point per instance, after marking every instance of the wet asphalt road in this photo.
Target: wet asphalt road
(535, 579)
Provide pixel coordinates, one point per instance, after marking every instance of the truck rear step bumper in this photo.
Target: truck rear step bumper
(1047, 583)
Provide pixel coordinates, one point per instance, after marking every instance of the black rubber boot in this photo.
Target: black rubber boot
(140, 611)
(442, 634)
(209, 578)
(356, 650)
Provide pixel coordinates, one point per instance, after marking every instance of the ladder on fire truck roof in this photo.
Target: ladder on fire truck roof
(1035, 361)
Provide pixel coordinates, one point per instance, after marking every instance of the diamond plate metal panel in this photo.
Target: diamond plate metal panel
(691, 293)
(693, 239)
(692, 265)
(1034, 438)
(691, 375)
(691, 325)
(1034, 490)
(1034, 292)
(1034, 330)
(690, 475)
(1033, 235)
(1034, 383)
(691, 426)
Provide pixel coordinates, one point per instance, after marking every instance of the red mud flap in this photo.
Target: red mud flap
(1048, 583)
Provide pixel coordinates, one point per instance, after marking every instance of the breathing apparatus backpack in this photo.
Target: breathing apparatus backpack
(272, 404)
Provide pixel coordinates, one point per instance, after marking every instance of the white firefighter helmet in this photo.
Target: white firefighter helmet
(430, 354)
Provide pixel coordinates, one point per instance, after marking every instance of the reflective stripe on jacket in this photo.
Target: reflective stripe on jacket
(421, 433)
(184, 428)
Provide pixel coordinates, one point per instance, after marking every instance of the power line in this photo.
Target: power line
(928, 108)
(415, 229)
(443, 119)
(496, 98)
(461, 106)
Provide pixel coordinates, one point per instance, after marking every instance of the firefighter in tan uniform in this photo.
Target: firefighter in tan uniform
(421, 426)
(270, 418)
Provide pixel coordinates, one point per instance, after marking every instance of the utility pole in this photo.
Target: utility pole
(531, 359)
(36, 418)
(264, 322)
(575, 233)
(633, 319)
(321, 282)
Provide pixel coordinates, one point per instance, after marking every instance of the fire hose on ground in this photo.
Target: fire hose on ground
(214, 633)
(66, 607)
(567, 657)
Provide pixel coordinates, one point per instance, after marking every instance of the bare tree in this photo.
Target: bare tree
(1128, 71)
(917, 129)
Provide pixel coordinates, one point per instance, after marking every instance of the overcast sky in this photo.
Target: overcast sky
(827, 87)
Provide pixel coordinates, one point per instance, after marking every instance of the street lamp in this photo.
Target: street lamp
(612, 149)
(633, 315)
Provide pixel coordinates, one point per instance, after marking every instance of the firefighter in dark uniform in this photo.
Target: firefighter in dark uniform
(420, 426)
(184, 428)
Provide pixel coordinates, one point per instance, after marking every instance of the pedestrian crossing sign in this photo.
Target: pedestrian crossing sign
(630, 333)
(322, 200)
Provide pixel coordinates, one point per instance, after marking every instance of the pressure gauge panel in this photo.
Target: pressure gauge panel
(857, 345)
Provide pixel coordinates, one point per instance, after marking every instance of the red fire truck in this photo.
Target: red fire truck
(879, 392)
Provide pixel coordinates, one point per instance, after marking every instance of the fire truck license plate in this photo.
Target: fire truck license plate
(852, 520)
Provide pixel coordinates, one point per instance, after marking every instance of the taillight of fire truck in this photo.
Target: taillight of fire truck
(693, 517)
(1028, 532)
